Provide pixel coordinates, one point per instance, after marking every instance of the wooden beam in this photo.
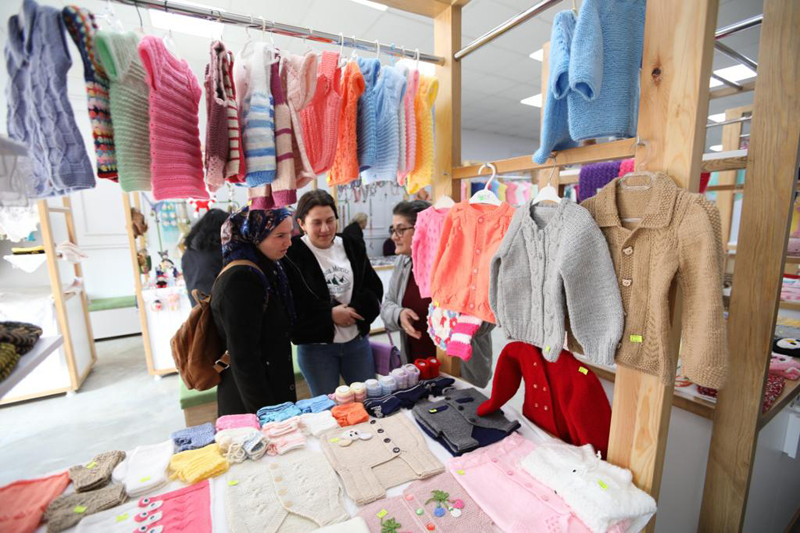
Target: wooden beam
(724, 163)
(428, 8)
(676, 64)
(772, 162)
(731, 140)
(724, 91)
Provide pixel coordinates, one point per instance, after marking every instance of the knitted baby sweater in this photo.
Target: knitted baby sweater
(300, 75)
(234, 166)
(604, 64)
(82, 28)
(128, 95)
(471, 235)
(555, 125)
(401, 128)
(252, 76)
(554, 261)
(678, 236)
(284, 188)
(39, 112)
(367, 132)
(424, 245)
(176, 161)
(595, 176)
(345, 162)
(409, 102)
(389, 93)
(217, 118)
(423, 167)
(321, 117)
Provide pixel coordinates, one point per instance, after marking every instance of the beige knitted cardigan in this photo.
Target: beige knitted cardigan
(678, 239)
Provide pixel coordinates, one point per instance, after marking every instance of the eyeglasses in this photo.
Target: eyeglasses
(399, 231)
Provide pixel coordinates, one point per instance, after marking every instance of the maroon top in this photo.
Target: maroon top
(423, 347)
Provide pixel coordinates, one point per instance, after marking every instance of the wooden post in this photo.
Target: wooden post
(772, 162)
(678, 47)
(447, 41)
(731, 137)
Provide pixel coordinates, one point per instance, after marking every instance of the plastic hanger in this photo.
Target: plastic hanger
(444, 202)
(416, 65)
(485, 195)
(548, 193)
(378, 50)
(638, 172)
(169, 43)
(353, 54)
(109, 15)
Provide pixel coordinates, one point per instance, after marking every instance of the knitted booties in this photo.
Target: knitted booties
(461, 342)
(68, 509)
(97, 473)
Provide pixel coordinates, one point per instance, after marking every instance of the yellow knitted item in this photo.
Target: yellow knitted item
(423, 105)
(192, 466)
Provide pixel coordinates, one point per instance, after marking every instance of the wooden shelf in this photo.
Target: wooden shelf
(790, 391)
(719, 161)
(28, 362)
(790, 306)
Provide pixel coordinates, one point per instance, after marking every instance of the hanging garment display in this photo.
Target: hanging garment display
(39, 112)
(221, 117)
(389, 92)
(678, 236)
(82, 28)
(345, 162)
(402, 70)
(367, 133)
(321, 117)
(300, 75)
(553, 263)
(235, 169)
(422, 173)
(409, 100)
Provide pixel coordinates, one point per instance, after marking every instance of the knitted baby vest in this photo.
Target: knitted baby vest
(401, 128)
(129, 99)
(423, 168)
(284, 188)
(300, 75)
(176, 161)
(82, 28)
(389, 93)
(39, 112)
(367, 133)
(217, 141)
(321, 117)
(412, 85)
(234, 166)
(345, 163)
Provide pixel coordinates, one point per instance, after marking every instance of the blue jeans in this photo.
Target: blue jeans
(322, 364)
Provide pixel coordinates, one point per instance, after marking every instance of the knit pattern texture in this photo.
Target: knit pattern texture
(409, 102)
(366, 121)
(553, 263)
(422, 174)
(403, 70)
(300, 75)
(595, 176)
(424, 244)
(194, 437)
(284, 188)
(129, 98)
(176, 161)
(345, 162)
(321, 117)
(9, 358)
(39, 112)
(96, 473)
(389, 92)
(63, 512)
(679, 236)
(234, 167)
(144, 469)
(82, 28)
(23, 502)
(196, 465)
(22, 335)
(217, 140)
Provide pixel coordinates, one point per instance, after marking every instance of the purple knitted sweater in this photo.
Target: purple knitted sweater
(594, 177)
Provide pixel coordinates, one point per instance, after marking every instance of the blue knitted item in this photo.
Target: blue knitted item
(389, 92)
(555, 125)
(383, 406)
(316, 404)
(277, 413)
(436, 386)
(604, 69)
(194, 437)
(39, 113)
(366, 117)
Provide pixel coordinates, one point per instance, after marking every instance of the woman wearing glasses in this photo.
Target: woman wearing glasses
(403, 308)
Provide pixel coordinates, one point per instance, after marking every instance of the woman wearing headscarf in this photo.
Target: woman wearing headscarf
(253, 312)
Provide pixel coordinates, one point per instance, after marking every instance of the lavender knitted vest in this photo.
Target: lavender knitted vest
(39, 113)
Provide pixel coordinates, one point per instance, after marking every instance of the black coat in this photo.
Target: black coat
(354, 230)
(257, 340)
(312, 300)
(200, 269)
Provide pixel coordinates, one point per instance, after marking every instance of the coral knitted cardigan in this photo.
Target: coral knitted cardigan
(389, 93)
(345, 162)
(321, 118)
(176, 161)
(423, 168)
(130, 104)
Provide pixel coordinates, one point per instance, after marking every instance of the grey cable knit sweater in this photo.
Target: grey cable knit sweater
(554, 260)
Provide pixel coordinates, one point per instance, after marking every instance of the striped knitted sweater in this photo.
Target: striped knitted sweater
(389, 93)
(321, 117)
(300, 76)
(367, 133)
(176, 161)
(423, 169)
(252, 76)
(129, 99)
(234, 166)
(412, 85)
(82, 28)
(345, 162)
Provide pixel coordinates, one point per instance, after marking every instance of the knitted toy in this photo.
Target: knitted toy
(22, 503)
(345, 161)
(783, 346)
(96, 473)
(784, 366)
(196, 465)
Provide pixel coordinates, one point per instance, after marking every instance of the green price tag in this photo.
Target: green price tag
(144, 479)
(602, 485)
(382, 513)
(583, 370)
(547, 349)
(460, 472)
(79, 509)
(636, 338)
(91, 465)
(233, 483)
(432, 410)
(335, 439)
(122, 517)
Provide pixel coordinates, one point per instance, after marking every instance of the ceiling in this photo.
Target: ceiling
(494, 78)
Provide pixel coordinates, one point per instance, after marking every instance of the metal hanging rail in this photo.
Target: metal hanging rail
(736, 56)
(731, 121)
(727, 82)
(736, 27)
(259, 22)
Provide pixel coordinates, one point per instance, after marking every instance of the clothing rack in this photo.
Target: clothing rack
(261, 23)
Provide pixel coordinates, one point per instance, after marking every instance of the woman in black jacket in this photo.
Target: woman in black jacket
(253, 311)
(337, 295)
(202, 260)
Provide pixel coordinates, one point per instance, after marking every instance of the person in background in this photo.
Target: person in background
(356, 227)
(202, 259)
(253, 311)
(337, 295)
(403, 309)
(388, 247)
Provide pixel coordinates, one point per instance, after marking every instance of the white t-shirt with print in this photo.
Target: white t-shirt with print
(339, 276)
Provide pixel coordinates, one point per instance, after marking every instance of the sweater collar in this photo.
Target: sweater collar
(656, 214)
(20, 39)
(554, 220)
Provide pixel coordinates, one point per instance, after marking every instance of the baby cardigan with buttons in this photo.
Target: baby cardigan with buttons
(554, 262)
(424, 245)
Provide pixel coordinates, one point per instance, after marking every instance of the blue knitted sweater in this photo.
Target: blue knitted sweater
(39, 113)
(389, 92)
(366, 117)
(604, 67)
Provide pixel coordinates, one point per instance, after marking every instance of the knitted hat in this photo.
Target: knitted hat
(193, 437)
(22, 503)
(321, 117)
(196, 465)
(317, 423)
(389, 92)
(145, 469)
(422, 174)
(366, 126)
(9, 357)
(300, 73)
(217, 140)
(350, 414)
(97, 472)
(67, 510)
(345, 163)
(596, 176)
(246, 420)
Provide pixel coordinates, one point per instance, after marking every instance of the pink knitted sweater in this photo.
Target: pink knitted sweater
(176, 161)
(412, 85)
(424, 245)
(321, 117)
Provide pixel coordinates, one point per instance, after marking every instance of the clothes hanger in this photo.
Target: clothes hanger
(485, 195)
(169, 43)
(140, 29)
(444, 202)
(342, 60)
(638, 172)
(548, 193)
(416, 65)
(378, 50)
(353, 54)
(108, 14)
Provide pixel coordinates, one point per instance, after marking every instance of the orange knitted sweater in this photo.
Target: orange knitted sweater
(423, 108)
(321, 117)
(345, 163)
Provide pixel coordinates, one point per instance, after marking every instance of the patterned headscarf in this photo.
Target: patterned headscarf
(241, 235)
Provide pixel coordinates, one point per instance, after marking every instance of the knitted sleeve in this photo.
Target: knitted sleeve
(586, 59)
(497, 260)
(704, 348)
(592, 293)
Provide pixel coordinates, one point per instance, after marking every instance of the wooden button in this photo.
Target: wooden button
(627, 282)
(628, 250)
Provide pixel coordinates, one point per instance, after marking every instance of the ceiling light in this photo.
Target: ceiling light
(538, 55)
(184, 24)
(373, 5)
(719, 117)
(715, 148)
(535, 100)
(734, 73)
(425, 68)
